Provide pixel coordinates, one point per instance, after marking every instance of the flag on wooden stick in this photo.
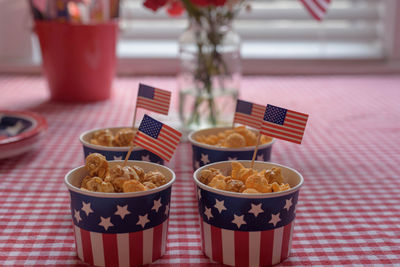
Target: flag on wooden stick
(157, 137)
(249, 114)
(284, 124)
(153, 99)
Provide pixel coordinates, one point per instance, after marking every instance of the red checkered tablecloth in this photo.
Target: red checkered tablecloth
(349, 206)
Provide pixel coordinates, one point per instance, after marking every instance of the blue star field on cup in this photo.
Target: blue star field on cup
(202, 156)
(120, 215)
(234, 213)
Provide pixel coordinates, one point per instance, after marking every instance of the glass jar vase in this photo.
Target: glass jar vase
(210, 74)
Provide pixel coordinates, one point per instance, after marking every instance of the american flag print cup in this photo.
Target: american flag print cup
(116, 153)
(247, 229)
(203, 154)
(120, 229)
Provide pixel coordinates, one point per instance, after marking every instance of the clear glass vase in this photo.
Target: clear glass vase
(210, 74)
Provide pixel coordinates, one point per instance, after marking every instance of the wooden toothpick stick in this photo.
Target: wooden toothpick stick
(134, 118)
(128, 154)
(255, 150)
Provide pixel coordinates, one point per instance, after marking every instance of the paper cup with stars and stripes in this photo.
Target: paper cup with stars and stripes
(247, 229)
(203, 154)
(116, 153)
(120, 229)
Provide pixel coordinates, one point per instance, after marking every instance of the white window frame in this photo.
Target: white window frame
(169, 65)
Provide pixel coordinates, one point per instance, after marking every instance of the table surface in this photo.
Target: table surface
(349, 205)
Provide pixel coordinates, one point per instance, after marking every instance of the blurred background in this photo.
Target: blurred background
(278, 37)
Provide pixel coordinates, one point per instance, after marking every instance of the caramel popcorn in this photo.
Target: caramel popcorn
(233, 138)
(245, 180)
(97, 165)
(155, 177)
(118, 178)
(121, 138)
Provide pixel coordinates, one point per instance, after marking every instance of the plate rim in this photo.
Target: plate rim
(41, 124)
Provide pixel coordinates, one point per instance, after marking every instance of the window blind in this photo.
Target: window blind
(272, 29)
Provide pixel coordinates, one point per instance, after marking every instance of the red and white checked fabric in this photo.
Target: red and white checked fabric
(348, 210)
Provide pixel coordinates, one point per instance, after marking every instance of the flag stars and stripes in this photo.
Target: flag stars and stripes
(156, 205)
(143, 220)
(248, 113)
(219, 205)
(122, 211)
(86, 208)
(284, 124)
(208, 213)
(157, 137)
(238, 220)
(275, 218)
(204, 158)
(153, 99)
(77, 216)
(288, 204)
(256, 209)
(106, 223)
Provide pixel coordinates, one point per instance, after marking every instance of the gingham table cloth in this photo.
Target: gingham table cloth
(349, 205)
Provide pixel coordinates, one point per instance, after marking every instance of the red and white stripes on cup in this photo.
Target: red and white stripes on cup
(241, 248)
(126, 249)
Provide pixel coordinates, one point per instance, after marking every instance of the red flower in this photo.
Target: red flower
(175, 8)
(154, 4)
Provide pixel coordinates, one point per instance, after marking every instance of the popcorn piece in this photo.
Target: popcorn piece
(274, 175)
(84, 181)
(236, 167)
(250, 191)
(124, 137)
(97, 165)
(218, 182)
(284, 187)
(244, 173)
(155, 177)
(245, 180)
(207, 175)
(118, 183)
(118, 178)
(102, 138)
(123, 172)
(149, 185)
(212, 140)
(234, 140)
(275, 187)
(234, 185)
(139, 171)
(133, 186)
(259, 183)
(96, 184)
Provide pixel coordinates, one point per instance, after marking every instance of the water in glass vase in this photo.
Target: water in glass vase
(209, 77)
